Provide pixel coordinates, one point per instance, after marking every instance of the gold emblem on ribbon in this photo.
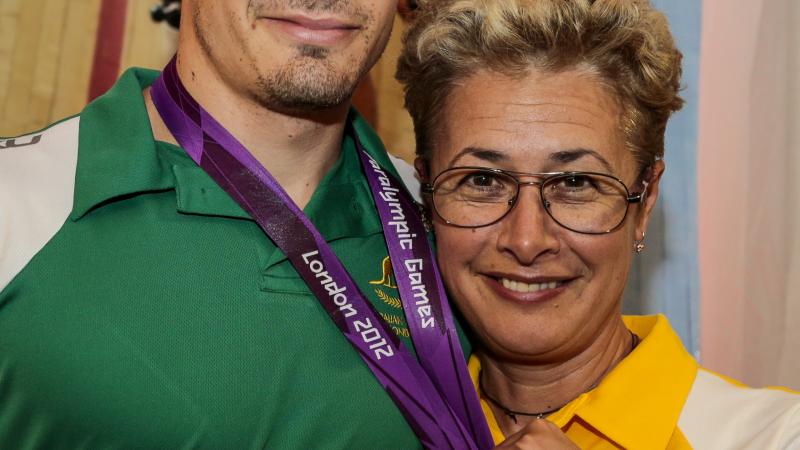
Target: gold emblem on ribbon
(387, 280)
(387, 276)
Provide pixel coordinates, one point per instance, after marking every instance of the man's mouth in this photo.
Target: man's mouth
(322, 31)
(320, 24)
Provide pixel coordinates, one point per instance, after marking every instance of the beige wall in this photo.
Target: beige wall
(47, 50)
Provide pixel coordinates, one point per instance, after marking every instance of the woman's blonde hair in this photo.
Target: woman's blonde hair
(626, 44)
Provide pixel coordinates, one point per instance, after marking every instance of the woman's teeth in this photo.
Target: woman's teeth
(519, 286)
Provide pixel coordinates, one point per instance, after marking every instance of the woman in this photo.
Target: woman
(540, 131)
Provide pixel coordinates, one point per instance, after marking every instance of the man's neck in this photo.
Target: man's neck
(297, 150)
(533, 388)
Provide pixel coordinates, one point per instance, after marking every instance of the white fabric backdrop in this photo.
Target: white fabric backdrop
(749, 220)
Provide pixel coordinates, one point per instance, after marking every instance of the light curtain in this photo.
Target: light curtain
(748, 193)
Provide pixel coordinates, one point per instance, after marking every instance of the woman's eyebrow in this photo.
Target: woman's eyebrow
(568, 156)
(559, 157)
(485, 154)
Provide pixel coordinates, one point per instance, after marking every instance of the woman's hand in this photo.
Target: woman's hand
(538, 435)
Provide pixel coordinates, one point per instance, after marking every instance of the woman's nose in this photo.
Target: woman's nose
(528, 231)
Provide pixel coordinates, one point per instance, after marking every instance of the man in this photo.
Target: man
(141, 307)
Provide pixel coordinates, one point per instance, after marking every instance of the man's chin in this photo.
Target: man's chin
(300, 106)
(304, 98)
(313, 103)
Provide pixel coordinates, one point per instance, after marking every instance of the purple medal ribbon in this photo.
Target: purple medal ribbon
(427, 311)
(436, 398)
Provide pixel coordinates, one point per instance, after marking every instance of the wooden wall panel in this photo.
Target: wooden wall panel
(77, 51)
(48, 58)
(46, 49)
(9, 12)
(394, 123)
(147, 44)
(23, 63)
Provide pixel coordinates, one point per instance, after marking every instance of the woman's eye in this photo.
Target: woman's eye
(483, 186)
(575, 182)
(481, 180)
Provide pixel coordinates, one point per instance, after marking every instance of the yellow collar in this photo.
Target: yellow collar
(638, 403)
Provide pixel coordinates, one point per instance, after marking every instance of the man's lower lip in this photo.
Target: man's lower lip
(325, 36)
(526, 297)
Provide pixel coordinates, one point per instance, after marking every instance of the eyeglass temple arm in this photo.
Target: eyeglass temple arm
(639, 196)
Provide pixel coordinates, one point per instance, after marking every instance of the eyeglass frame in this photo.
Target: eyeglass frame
(638, 197)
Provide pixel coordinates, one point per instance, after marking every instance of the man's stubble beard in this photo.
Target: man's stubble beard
(307, 84)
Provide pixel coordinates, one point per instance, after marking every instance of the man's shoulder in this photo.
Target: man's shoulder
(37, 179)
(723, 413)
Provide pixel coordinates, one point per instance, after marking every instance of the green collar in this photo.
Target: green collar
(119, 157)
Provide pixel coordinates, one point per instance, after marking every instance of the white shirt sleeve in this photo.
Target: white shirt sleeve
(37, 183)
(408, 175)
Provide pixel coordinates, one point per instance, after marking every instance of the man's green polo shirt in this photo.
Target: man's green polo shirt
(159, 315)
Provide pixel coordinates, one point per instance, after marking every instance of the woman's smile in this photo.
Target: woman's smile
(525, 289)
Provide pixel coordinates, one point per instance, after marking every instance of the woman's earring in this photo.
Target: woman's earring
(639, 245)
(426, 220)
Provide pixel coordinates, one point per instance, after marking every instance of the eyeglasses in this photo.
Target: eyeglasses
(584, 202)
